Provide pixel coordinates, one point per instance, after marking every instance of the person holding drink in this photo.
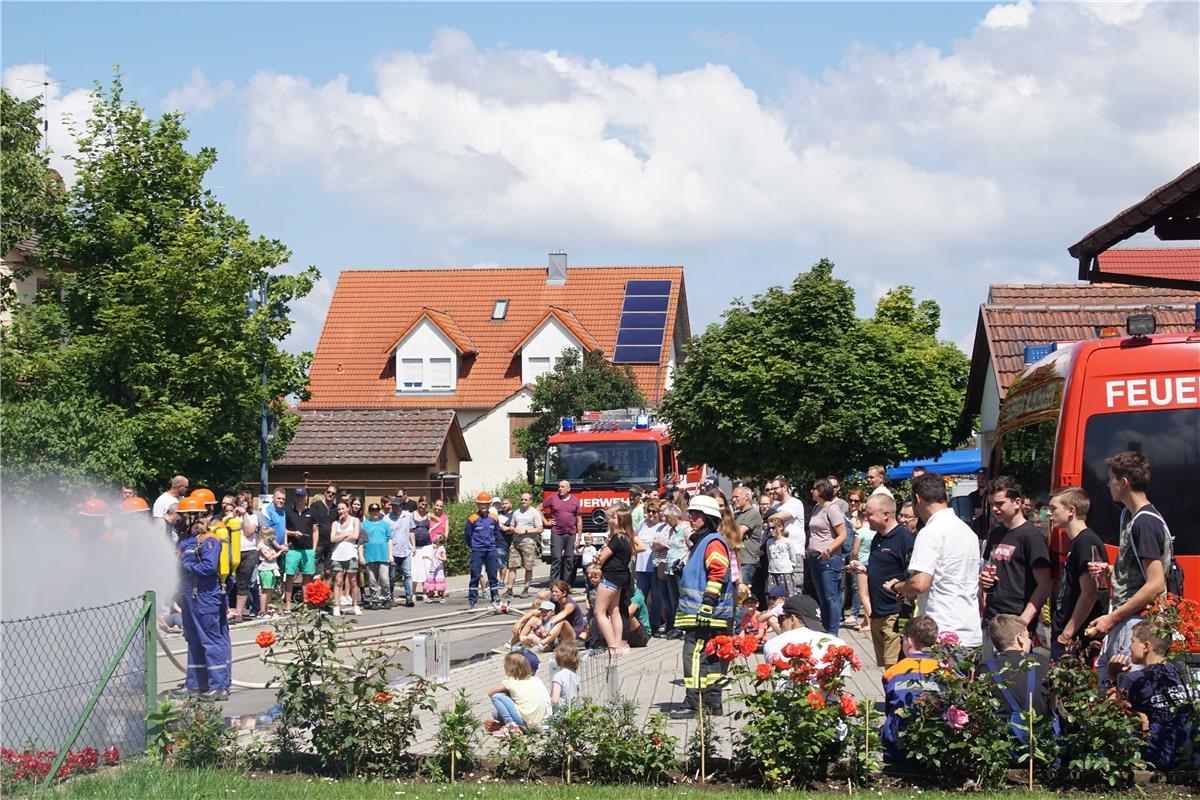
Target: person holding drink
(1082, 596)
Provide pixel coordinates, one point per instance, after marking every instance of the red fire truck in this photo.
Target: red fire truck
(603, 453)
(1087, 400)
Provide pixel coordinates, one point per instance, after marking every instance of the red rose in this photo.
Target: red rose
(656, 741)
(762, 671)
(710, 647)
(816, 700)
(748, 645)
(791, 650)
(265, 639)
(383, 697)
(316, 593)
(726, 652)
(849, 705)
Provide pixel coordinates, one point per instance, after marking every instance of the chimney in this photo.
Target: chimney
(556, 274)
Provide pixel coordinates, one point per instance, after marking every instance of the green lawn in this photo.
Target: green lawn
(145, 779)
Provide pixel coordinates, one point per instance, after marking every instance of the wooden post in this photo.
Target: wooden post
(1031, 727)
(453, 754)
(703, 747)
(568, 765)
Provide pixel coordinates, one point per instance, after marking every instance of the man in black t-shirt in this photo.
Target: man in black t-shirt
(1081, 596)
(1016, 575)
(324, 512)
(890, 550)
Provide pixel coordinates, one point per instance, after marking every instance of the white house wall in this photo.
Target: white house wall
(989, 414)
(548, 342)
(487, 438)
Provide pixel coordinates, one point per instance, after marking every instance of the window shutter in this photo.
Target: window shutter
(412, 373)
(439, 373)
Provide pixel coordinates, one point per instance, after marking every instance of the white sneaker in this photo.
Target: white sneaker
(357, 611)
(337, 611)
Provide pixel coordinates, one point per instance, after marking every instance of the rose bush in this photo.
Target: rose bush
(794, 712)
(20, 769)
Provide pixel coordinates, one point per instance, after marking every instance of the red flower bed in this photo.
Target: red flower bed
(33, 766)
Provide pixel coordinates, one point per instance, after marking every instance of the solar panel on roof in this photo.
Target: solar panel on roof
(636, 354)
(647, 287)
(643, 319)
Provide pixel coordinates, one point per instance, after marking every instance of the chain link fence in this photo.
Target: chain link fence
(64, 681)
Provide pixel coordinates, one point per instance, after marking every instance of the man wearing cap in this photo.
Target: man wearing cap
(404, 543)
(705, 608)
(300, 529)
(482, 531)
(801, 624)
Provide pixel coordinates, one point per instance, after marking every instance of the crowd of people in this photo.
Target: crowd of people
(694, 566)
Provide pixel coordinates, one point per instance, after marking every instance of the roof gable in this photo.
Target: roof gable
(444, 323)
(568, 321)
(372, 310)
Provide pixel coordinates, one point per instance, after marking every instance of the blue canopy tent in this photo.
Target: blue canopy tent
(956, 462)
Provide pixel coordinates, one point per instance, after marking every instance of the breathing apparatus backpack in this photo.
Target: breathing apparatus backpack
(229, 532)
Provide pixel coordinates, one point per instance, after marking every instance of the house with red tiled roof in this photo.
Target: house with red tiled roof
(474, 341)
(1016, 319)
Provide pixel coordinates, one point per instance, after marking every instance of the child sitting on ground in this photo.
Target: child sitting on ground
(520, 700)
(904, 682)
(1158, 694)
(530, 620)
(564, 686)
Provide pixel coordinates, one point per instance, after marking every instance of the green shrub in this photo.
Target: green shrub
(570, 739)
(1099, 743)
(344, 710)
(708, 744)
(517, 756)
(202, 738)
(458, 738)
(627, 752)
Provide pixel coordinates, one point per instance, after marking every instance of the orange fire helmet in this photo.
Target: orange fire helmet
(132, 505)
(190, 504)
(94, 507)
(483, 497)
(205, 496)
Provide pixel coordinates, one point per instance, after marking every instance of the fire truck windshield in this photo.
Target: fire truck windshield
(603, 463)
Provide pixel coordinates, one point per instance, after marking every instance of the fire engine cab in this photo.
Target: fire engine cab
(602, 454)
(1084, 401)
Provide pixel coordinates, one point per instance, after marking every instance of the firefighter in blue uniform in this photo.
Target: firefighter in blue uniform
(205, 622)
(482, 533)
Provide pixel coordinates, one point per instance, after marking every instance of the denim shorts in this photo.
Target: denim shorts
(605, 583)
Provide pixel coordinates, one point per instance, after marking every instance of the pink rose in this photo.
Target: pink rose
(956, 718)
(948, 638)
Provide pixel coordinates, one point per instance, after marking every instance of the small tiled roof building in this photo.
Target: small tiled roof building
(474, 340)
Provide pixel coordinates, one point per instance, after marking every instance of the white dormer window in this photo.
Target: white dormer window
(538, 365)
(426, 361)
(543, 346)
(500, 309)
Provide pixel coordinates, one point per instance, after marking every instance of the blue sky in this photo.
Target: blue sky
(933, 144)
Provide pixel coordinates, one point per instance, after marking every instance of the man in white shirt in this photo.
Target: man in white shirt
(790, 511)
(179, 487)
(801, 624)
(399, 520)
(944, 567)
(875, 479)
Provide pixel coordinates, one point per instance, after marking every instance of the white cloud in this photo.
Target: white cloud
(944, 169)
(197, 94)
(63, 112)
(1014, 15)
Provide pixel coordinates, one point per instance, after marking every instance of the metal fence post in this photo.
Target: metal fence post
(147, 612)
(151, 657)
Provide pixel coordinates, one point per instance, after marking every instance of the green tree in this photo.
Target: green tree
(30, 194)
(146, 361)
(575, 385)
(793, 382)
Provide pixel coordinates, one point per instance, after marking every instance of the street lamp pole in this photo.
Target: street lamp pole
(263, 421)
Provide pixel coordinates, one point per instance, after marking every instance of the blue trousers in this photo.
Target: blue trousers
(206, 629)
(827, 584)
(647, 582)
(402, 569)
(481, 560)
(506, 710)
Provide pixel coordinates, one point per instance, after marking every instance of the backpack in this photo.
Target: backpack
(1018, 714)
(229, 532)
(1174, 573)
(900, 693)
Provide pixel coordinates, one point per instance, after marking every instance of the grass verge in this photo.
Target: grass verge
(148, 779)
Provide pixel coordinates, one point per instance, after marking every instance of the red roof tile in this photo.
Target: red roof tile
(353, 366)
(1172, 263)
(373, 436)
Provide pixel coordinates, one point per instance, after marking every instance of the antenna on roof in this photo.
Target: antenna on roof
(45, 84)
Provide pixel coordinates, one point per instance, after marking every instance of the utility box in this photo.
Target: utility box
(431, 655)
